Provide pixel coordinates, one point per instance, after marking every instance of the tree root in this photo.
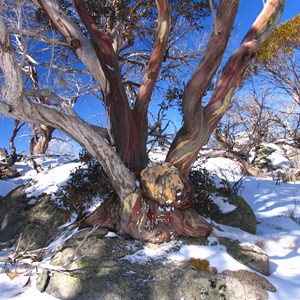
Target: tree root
(146, 220)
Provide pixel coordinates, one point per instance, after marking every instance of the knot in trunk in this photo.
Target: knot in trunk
(166, 185)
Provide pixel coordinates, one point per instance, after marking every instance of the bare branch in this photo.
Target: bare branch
(37, 36)
(155, 61)
(56, 67)
(75, 38)
(16, 105)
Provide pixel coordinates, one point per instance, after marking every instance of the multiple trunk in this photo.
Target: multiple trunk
(200, 122)
(144, 212)
(129, 126)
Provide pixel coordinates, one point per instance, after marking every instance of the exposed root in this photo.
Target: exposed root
(148, 221)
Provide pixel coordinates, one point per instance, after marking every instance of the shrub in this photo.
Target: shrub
(204, 186)
(86, 183)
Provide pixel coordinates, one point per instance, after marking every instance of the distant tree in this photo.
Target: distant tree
(145, 194)
(8, 159)
(251, 120)
(277, 65)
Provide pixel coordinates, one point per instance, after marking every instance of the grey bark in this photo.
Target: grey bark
(17, 106)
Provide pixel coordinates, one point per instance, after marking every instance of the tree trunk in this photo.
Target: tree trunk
(161, 204)
(42, 135)
(129, 127)
(200, 122)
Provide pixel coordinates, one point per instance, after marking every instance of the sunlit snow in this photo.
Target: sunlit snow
(276, 207)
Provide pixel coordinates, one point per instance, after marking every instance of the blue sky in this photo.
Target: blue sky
(247, 13)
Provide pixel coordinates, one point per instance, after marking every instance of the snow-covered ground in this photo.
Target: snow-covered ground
(275, 207)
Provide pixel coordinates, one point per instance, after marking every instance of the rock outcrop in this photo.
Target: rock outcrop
(32, 221)
(242, 217)
(110, 268)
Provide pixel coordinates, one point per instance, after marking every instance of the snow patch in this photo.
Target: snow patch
(277, 158)
(224, 206)
(274, 206)
(224, 168)
(49, 180)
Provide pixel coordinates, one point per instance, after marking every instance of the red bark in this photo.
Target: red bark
(124, 127)
(194, 132)
(154, 66)
(187, 223)
(129, 128)
(198, 122)
(148, 221)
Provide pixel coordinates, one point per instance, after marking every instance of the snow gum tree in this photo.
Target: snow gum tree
(152, 201)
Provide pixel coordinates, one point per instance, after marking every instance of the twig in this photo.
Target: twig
(72, 258)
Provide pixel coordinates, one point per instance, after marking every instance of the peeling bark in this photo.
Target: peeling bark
(198, 122)
(155, 212)
(146, 220)
(129, 128)
(124, 128)
(154, 66)
(195, 132)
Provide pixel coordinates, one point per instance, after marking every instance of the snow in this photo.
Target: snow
(49, 180)
(216, 255)
(277, 158)
(95, 203)
(14, 289)
(152, 252)
(276, 208)
(224, 168)
(223, 205)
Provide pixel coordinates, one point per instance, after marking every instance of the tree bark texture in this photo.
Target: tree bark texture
(199, 122)
(161, 205)
(129, 128)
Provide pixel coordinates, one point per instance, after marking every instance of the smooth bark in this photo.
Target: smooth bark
(140, 215)
(198, 122)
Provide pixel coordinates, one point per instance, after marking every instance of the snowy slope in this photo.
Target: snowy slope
(275, 207)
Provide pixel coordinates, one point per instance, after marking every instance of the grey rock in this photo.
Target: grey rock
(242, 217)
(247, 254)
(252, 278)
(100, 268)
(17, 215)
(33, 237)
(43, 280)
(12, 220)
